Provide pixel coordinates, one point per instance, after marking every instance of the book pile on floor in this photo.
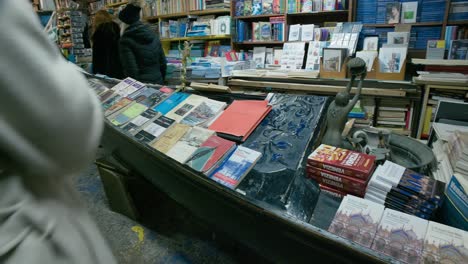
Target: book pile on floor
(405, 237)
(340, 171)
(191, 129)
(404, 190)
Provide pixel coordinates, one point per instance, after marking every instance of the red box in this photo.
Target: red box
(342, 161)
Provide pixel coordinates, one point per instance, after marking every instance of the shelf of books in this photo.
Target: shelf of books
(112, 3)
(269, 172)
(197, 38)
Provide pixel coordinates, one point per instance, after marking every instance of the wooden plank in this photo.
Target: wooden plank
(327, 89)
(440, 62)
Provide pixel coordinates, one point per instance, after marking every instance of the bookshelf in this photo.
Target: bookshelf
(214, 37)
(117, 4)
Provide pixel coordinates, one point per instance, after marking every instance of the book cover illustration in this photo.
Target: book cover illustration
(128, 114)
(391, 59)
(189, 143)
(210, 153)
(256, 7)
(265, 31)
(123, 84)
(168, 139)
(256, 34)
(247, 7)
(239, 7)
(357, 220)
(233, 170)
(204, 113)
(267, 7)
(445, 244)
(184, 108)
(154, 129)
(278, 6)
(409, 11)
(115, 105)
(307, 6)
(401, 236)
(149, 96)
(171, 102)
(283, 137)
(393, 13)
(135, 124)
(342, 161)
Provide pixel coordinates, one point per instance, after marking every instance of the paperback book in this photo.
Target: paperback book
(154, 129)
(445, 244)
(189, 143)
(150, 96)
(185, 107)
(135, 125)
(401, 236)
(341, 182)
(170, 137)
(112, 105)
(409, 11)
(234, 169)
(203, 114)
(357, 220)
(208, 156)
(127, 114)
(171, 102)
(343, 161)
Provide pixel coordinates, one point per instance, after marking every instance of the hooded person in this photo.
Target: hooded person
(141, 52)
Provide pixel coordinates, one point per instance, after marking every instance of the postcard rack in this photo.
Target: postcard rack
(393, 76)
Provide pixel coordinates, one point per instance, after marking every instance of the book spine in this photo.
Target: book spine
(331, 191)
(338, 169)
(339, 186)
(347, 181)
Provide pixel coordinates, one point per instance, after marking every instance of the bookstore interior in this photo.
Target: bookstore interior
(330, 128)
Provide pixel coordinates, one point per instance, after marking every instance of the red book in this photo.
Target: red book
(210, 154)
(240, 119)
(332, 191)
(347, 181)
(339, 186)
(342, 161)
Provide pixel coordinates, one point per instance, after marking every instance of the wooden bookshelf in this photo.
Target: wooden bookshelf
(440, 62)
(196, 38)
(209, 12)
(417, 24)
(258, 16)
(259, 42)
(318, 13)
(454, 23)
(117, 4)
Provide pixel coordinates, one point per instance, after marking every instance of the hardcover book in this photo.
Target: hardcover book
(204, 113)
(342, 161)
(170, 137)
(278, 7)
(401, 236)
(256, 7)
(127, 114)
(343, 182)
(154, 129)
(393, 13)
(185, 107)
(409, 11)
(357, 220)
(247, 7)
(445, 244)
(234, 169)
(210, 154)
(265, 31)
(189, 143)
(138, 122)
(267, 7)
(171, 102)
(239, 120)
(239, 7)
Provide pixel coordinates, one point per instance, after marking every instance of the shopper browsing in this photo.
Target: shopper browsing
(141, 51)
(105, 42)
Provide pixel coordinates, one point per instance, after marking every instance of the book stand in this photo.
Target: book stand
(335, 75)
(397, 76)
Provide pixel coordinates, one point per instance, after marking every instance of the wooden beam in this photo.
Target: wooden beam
(323, 89)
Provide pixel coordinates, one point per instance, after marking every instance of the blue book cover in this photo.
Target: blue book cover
(171, 102)
(357, 115)
(455, 208)
(234, 168)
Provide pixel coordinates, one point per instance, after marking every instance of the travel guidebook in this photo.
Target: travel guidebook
(210, 153)
(189, 143)
(234, 168)
(401, 236)
(445, 244)
(357, 220)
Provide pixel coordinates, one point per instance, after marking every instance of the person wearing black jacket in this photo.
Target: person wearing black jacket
(140, 49)
(105, 42)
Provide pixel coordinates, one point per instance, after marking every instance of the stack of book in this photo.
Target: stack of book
(342, 170)
(362, 113)
(395, 115)
(404, 190)
(407, 238)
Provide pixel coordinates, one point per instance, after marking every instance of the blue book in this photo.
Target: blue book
(234, 168)
(360, 115)
(455, 207)
(171, 102)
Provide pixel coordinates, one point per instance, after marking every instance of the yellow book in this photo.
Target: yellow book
(427, 121)
(170, 137)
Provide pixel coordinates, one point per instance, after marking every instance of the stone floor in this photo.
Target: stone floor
(170, 234)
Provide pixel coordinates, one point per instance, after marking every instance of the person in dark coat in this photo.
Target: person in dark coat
(105, 42)
(141, 52)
